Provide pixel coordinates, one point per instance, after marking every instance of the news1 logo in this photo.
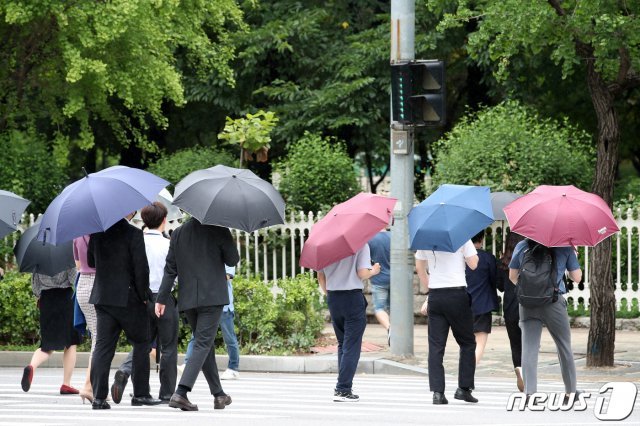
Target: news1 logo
(618, 406)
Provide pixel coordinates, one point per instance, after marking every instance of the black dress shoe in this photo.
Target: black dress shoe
(119, 383)
(165, 399)
(182, 403)
(464, 395)
(137, 401)
(439, 398)
(219, 402)
(100, 404)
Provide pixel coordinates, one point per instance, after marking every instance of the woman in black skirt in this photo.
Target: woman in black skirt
(55, 299)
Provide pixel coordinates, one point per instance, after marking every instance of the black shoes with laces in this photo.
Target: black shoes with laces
(345, 396)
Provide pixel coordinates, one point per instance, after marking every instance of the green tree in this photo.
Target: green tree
(31, 168)
(83, 73)
(316, 174)
(511, 148)
(252, 134)
(174, 167)
(595, 38)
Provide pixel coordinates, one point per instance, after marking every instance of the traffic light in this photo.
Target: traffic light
(418, 93)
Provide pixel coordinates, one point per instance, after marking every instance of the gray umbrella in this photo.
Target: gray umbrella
(235, 198)
(499, 200)
(44, 258)
(11, 208)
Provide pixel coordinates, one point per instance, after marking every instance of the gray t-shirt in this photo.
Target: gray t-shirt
(343, 274)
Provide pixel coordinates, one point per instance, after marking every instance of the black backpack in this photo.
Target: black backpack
(537, 283)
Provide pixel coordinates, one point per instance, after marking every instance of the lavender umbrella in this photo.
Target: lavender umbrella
(97, 201)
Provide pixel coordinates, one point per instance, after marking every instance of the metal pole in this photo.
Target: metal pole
(402, 49)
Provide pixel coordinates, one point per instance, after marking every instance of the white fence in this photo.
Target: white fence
(273, 253)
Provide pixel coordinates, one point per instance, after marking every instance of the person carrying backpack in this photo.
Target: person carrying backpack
(537, 271)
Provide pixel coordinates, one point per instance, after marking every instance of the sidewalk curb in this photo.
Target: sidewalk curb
(253, 363)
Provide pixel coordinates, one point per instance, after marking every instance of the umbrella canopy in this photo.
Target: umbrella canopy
(11, 208)
(42, 258)
(499, 200)
(165, 197)
(234, 198)
(346, 229)
(97, 201)
(559, 216)
(449, 217)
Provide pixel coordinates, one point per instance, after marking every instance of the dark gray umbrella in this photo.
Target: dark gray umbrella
(234, 198)
(499, 200)
(44, 258)
(11, 208)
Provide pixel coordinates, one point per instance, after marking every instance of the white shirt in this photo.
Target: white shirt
(447, 269)
(157, 247)
(343, 274)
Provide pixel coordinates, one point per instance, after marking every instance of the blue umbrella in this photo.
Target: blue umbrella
(449, 217)
(97, 201)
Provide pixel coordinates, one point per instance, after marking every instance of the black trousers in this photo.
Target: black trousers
(204, 323)
(515, 340)
(112, 320)
(165, 329)
(451, 308)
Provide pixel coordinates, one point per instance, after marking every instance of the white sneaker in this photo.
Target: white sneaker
(230, 374)
(181, 368)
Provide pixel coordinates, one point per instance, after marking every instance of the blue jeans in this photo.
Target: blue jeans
(349, 319)
(230, 340)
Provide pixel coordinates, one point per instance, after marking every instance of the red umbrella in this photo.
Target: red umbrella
(346, 229)
(558, 216)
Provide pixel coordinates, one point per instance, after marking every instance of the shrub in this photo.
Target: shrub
(509, 147)
(316, 174)
(174, 167)
(288, 322)
(19, 316)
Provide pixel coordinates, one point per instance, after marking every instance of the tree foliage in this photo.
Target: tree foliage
(80, 70)
(509, 147)
(316, 174)
(30, 168)
(173, 167)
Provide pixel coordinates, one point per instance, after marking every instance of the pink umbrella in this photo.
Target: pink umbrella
(346, 229)
(558, 216)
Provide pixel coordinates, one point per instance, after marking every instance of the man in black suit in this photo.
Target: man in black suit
(197, 255)
(120, 293)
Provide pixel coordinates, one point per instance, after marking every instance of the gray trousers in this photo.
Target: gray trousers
(554, 317)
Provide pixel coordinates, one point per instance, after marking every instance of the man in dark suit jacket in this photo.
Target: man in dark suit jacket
(120, 293)
(197, 255)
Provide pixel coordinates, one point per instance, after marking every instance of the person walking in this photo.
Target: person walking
(200, 253)
(481, 286)
(448, 307)
(342, 283)
(120, 294)
(380, 249)
(86, 278)
(510, 305)
(552, 315)
(165, 328)
(229, 337)
(55, 299)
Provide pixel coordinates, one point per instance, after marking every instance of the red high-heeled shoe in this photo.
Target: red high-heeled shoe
(68, 390)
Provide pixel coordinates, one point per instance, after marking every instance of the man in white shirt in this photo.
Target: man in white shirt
(165, 328)
(448, 306)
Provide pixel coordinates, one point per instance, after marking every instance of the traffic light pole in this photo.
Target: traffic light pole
(402, 164)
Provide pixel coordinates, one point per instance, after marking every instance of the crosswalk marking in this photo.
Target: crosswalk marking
(280, 399)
